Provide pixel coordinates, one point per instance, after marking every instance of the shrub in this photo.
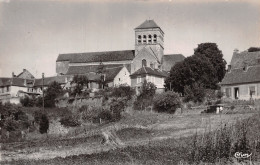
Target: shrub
(28, 101)
(105, 115)
(70, 121)
(167, 102)
(44, 124)
(116, 107)
(144, 99)
(122, 91)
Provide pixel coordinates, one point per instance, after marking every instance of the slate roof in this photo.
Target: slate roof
(97, 56)
(170, 60)
(147, 24)
(245, 57)
(15, 81)
(238, 76)
(149, 71)
(87, 69)
(109, 72)
(49, 80)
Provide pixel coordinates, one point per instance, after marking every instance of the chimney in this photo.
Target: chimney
(24, 70)
(236, 51)
(229, 68)
(13, 74)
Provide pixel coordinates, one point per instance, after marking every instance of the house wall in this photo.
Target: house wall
(123, 77)
(62, 67)
(157, 81)
(12, 94)
(244, 92)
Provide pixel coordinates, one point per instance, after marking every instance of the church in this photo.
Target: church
(147, 62)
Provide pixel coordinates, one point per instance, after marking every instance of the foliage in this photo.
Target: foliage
(206, 66)
(116, 107)
(253, 49)
(195, 93)
(44, 124)
(105, 115)
(122, 91)
(70, 121)
(144, 99)
(215, 56)
(53, 91)
(167, 102)
(79, 82)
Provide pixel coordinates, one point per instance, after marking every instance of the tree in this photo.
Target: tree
(215, 57)
(195, 93)
(53, 91)
(80, 81)
(206, 67)
(253, 49)
(144, 99)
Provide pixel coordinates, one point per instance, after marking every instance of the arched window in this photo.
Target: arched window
(149, 38)
(144, 63)
(144, 39)
(155, 38)
(139, 39)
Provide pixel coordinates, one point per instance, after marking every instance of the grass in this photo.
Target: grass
(216, 144)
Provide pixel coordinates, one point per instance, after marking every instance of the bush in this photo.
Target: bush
(105, 115)
(122, 91)
(167, 102)
(116, 107)
(43, 121)
(44, 124)
(70, 121)
(145, 98)
(28, 101)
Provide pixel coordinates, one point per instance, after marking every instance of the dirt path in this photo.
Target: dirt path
(179, 126)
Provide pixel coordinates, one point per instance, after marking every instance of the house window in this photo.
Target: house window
(149, 38)
(155, 38)
(144, 39)
(139, 79)
(144, 63)
(252, 91)
(139, 39)
(7, 89)
(119, 79)
(228, 92)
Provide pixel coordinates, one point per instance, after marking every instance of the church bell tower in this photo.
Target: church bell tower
(149, 35)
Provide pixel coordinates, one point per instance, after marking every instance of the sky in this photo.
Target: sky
(34, 32)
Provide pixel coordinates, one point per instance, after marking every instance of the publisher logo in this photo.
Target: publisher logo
(240, 155)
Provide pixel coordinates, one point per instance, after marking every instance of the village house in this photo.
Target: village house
(149, 49)
(242, 80)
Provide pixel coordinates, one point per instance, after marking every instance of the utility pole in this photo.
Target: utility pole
(43, 91)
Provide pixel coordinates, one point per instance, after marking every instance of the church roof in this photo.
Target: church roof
(147, 24)
(97, 56)
(88, 69)
(239, 76)
(168, 61)
(149, 71)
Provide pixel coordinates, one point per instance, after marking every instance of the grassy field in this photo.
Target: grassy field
(148, 137)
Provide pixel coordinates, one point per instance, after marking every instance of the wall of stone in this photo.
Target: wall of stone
(62, 67)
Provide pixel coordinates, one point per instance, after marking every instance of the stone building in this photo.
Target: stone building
(242, 80)
(149, 52)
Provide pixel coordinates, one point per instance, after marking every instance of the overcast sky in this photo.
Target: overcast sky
(34, 32)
